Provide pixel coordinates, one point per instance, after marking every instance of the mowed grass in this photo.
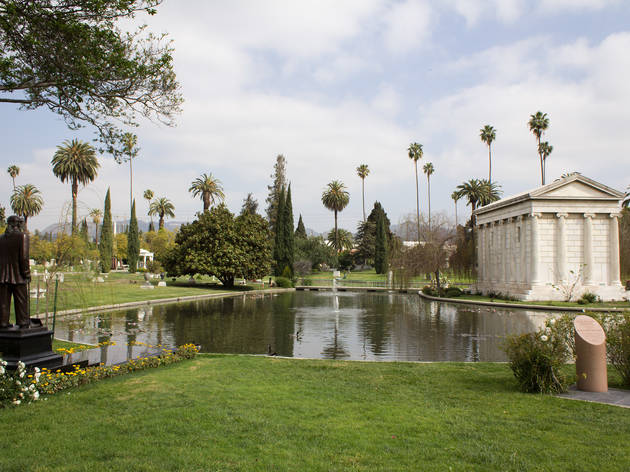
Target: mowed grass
(243, 413)
(611, 304)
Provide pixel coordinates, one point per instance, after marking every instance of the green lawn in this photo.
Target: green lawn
(243, 413)
(372, 276)
(481, 298)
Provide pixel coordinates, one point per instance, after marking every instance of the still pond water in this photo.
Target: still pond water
(327, 325)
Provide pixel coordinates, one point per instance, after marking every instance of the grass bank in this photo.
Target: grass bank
(234, 413)
(481, 298)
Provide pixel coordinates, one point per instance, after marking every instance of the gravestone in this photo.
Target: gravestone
(590, 352)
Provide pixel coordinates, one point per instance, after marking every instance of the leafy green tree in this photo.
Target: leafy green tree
(163, 208)
(209, 188)
(83, 232)
(346, 241)
(13, 172)
(219, 244)
(363, 171)
(120, 247)
(335, 197)
(148, 196)
(250, 205)
(366, 233)
(75, 161)
(279, 248)
(3, 217)
(488, 134)
(538, 124)
(314, 250)
(133, 241)
(279, 177)
(428, 170)
(381, 246)
(26, 201)
(97, 216)
(106, 245)
(415, 153)
(103, 72)
(300, 231)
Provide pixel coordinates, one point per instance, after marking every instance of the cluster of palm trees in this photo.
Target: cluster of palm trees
(25, 200)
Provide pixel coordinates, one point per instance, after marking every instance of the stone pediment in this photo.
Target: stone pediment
(576, 187)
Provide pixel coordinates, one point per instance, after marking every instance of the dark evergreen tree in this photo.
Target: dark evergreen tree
(83, 231)
(366, 233)
(106, 244)
(381, 245)
(133, 240)
(250, 205)
(3, 221)
(151, 226)
(287, 233)
(300, 231)
(273, 200)
(279, 252)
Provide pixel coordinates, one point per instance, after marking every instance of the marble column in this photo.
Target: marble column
(613, 263)
(481, 253)
(503, 244)
(561, 247)
(588, 248)
(534, 252)
(491, 252)
(522, 263)
(508, 250)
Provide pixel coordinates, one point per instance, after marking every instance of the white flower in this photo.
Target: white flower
(17, 382)
(21, 365)
(36, 395)
(37, 371)
(22, 374)
(31, 387)
(1, 370)
(16, 402)
(21, 395)
(544, 338)
(552, 321)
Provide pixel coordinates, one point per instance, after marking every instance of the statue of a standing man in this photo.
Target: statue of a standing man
(15, 273)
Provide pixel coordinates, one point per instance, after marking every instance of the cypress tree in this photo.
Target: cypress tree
(106, 244)
(380, 246)
(151, 226)
(300, 231)
(287, 230)
(279, 250)
(83, 231)
(273, 200)
(133, 240)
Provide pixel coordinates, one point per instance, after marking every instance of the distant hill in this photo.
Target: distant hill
(121, 226)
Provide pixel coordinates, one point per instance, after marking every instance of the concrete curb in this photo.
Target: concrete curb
(163, 301)
(521, 306)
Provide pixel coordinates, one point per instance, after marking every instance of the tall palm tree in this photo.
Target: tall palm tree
(428, 170)
(538, 123)
(76, 162)
(13, 171)
(478, 192)
(455, 197)
(209, 188)
(488, 134)
(148, 196)
(363, 172)
(26, 201)
(162, 207)
(545, 149)
(335, 197)
(97, 215)
(415, 153)
(131, 149)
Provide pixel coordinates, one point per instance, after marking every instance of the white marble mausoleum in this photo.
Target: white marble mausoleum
(558, 239)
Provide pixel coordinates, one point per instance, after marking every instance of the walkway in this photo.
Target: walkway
(613, 396)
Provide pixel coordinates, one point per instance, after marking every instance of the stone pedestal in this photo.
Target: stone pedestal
(590, 352)
(32, 346)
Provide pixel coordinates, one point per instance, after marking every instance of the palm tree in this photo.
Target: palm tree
(478, 192)
(488, 134)
(13, 171)
(162, 207)
(209, 188)
(544, 149)
(26, 201)
(346, 241)
(148, 196)
(415, 153)
(130, 147)
(428, 170)
(538, 123)
(362, 172)
(96, 215)
(76, 162)
(455, 197)
(335, 198)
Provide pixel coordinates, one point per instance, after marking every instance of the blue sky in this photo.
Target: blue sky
(335, 84)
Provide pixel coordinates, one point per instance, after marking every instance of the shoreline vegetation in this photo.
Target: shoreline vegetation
(260, 413)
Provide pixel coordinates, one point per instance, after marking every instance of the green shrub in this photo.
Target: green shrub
(154, 267)
(428, 291)
(287, 273)
(536, 359)
(453, 292)
(617, 329)
(589, 297)
(283, 282)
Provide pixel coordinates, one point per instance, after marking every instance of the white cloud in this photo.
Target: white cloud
(554, 6)
(473, 11)
(407, 26)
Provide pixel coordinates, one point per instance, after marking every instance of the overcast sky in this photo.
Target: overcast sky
(335, 84)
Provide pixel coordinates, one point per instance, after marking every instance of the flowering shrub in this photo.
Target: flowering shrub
(536, 359)
(18, 387)
(21, 387)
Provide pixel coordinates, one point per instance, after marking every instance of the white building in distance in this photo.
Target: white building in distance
(553, 243)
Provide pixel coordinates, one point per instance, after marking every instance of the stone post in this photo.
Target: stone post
(590, 355)
(588, 248)
(561, 248)
(613, 265)
(534, 252)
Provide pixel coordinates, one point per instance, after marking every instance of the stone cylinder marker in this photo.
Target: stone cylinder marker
(590, 351)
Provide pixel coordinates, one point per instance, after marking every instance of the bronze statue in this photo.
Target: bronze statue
(15, 274)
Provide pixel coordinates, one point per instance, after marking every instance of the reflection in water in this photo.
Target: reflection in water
(339, 325)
